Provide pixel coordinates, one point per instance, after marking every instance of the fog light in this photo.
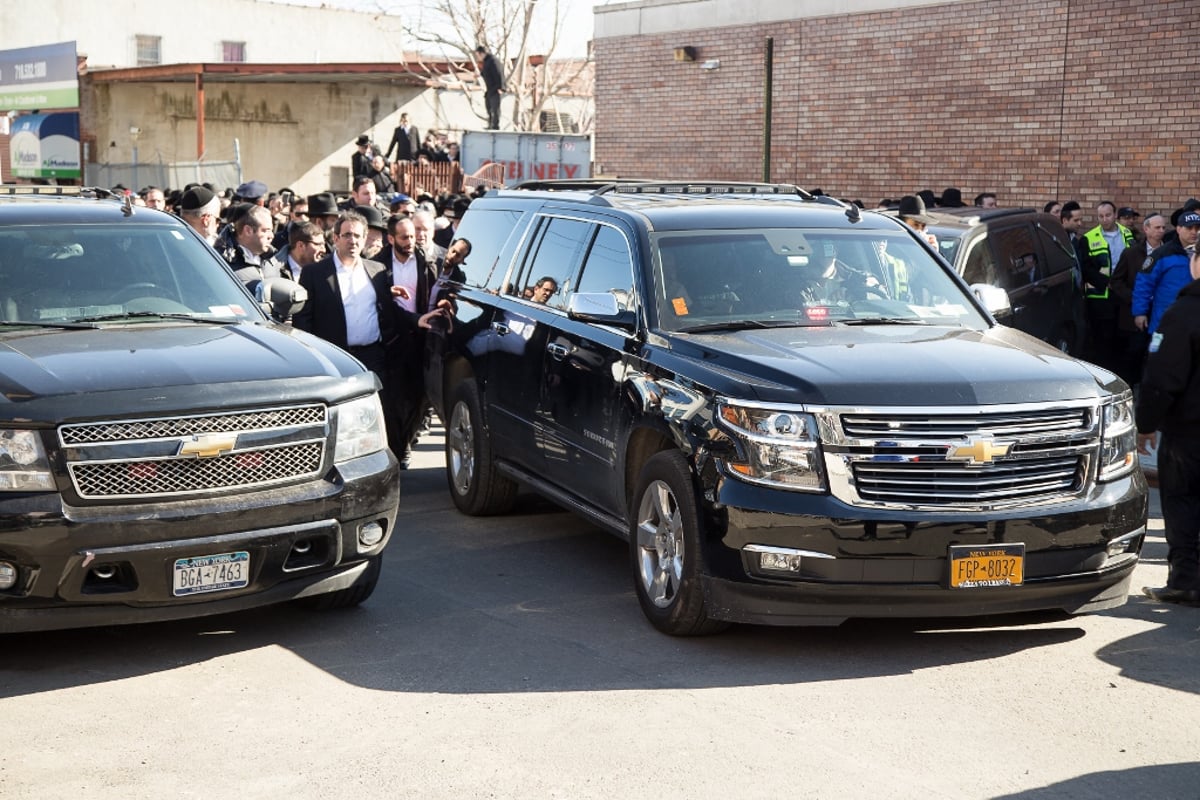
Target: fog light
(781, 559)
(8, 575)
(370, 534)
(1129, 543)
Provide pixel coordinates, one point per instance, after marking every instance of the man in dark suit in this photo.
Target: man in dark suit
(404, 140)
(412, 279)
(350, 304)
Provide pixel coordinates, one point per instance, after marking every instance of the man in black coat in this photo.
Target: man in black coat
(1169, 401)
(405, 141)
(350, 305)
(493, 82)
(412, 279)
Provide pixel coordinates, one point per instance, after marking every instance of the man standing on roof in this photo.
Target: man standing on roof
(493, 81)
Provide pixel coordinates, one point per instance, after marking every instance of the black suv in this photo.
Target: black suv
(1029, 255)
(166, 449)
(793, 411)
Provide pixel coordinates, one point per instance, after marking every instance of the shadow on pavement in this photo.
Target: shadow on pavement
(535, 601)
(1125, 783)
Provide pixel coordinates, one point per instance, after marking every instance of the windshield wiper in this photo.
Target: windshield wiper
(151, 315)
(883, 321)
(22, 323)
(745, 324)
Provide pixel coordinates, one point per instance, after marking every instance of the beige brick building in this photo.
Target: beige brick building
(1031, 99)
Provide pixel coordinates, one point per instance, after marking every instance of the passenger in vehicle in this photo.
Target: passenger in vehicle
(545, 288)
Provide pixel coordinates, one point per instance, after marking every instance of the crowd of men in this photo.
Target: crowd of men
(369, 262)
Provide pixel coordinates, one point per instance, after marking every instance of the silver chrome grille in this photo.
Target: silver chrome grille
(179, 456)
(190, 426)
(962, 458)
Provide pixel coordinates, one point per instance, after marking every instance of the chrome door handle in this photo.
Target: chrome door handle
(500, 328)
(557, 350)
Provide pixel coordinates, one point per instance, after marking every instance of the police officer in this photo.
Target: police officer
(1164, 273)
(1169, 401)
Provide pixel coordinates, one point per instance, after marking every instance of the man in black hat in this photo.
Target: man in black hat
(201, 208)
(360, 162)
(453, 212)
(376, 231)
(323, 210)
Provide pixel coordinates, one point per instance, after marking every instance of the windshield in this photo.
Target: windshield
(800, 276)
(63, 273)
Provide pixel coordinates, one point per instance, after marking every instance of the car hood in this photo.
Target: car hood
(890, 365)
(145, 363)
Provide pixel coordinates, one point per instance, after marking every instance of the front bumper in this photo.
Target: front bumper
(302, 540)
(870, 563)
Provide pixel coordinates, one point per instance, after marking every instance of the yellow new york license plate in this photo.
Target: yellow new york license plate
(988, 565)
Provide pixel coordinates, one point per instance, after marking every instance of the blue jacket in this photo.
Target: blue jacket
(1163, 274)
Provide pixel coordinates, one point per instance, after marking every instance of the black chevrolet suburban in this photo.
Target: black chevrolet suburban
(792, 410)
(167, 450)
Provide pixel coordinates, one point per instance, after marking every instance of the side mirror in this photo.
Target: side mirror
(600, 307)
(281, 298)
(994, 299)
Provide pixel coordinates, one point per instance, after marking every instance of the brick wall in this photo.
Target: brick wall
(1031, 99)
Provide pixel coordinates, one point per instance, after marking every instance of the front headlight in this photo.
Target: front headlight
(23, 463)
(360, 429)
(778, 447)
(1118, 439)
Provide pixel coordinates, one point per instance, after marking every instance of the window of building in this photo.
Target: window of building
(557, 122)
(233, 52)
(149, 50)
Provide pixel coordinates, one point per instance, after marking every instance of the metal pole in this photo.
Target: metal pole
(768, 91)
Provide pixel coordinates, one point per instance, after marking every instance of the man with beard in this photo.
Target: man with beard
(250, 255)
(201, 208)
(412, 282)
(306, 246)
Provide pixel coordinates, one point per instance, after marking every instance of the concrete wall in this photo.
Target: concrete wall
(1032, 99)
(192, 30)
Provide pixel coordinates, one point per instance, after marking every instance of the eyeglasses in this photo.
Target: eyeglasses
(303, 214)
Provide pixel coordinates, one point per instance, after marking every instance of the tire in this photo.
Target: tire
(350, 596)
(475, 486)
(664, 548)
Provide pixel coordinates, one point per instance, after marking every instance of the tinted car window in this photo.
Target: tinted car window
(66, 273)
(1016, 256)
(609, 267)
(1060, 257)
(488, 230)
(979, 266)
(799, 277)
(555, 254)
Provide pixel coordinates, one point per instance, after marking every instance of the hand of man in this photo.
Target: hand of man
(1146, 442)
(1141, 321)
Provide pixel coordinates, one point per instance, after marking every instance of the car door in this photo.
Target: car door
(520, 333)
(1019, 269)
(578, 414)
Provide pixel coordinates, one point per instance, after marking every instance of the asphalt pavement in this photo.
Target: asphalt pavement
(507, 657)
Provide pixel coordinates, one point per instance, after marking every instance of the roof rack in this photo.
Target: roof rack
(701, 187)
(563, 185)
(54, 191)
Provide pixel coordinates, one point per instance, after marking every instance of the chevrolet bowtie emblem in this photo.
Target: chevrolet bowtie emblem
(208, 445)
(979, 451)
